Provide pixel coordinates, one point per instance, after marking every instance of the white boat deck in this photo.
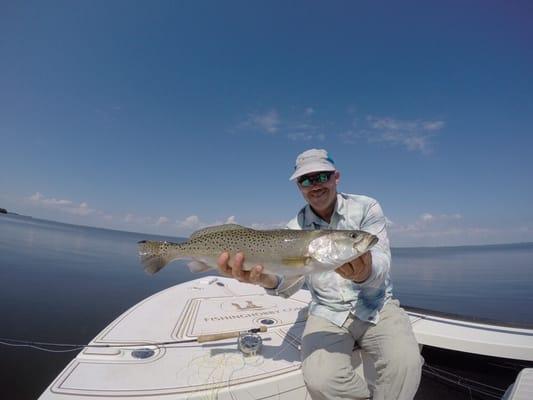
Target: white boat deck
(522, 389)
(187, 369)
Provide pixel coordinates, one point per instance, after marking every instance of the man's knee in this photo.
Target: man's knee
(406, 363)
(320, 378)
(330, 381)
(317, 378)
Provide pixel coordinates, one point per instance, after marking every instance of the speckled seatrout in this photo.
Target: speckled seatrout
(282, 252)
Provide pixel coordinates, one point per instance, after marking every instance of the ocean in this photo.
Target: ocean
(64, 283)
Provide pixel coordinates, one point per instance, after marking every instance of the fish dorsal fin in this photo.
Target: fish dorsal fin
(216, 228)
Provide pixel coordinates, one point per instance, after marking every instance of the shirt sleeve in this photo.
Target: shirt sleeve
(376, 223)
(287, 286)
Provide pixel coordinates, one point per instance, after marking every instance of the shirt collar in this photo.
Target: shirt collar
(314, 221)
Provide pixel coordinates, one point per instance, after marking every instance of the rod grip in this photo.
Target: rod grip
(216, 336)
(225, 335)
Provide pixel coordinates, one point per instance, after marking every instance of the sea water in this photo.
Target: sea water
(64, 283)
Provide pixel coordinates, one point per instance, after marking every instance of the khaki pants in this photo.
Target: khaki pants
(327, 357)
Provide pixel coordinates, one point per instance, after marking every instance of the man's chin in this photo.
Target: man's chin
(319, 197)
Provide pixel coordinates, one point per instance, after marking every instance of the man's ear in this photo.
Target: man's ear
(337, 176)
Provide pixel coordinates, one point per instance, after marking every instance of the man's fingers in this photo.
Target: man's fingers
(223, 260)
(345, 270)
(233, 267)
(358, 262)
(239, 260)
(237, 266)
(362, 261)
(367, 258)
(255, 274)
(222, 263)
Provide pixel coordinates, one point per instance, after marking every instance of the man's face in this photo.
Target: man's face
(321, 196)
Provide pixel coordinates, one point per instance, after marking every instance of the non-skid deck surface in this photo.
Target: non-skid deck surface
(186, 369)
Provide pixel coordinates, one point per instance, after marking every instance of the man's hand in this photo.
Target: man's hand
(358, 270)
(233, 268)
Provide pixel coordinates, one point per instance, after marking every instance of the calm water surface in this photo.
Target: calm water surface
(65, 283)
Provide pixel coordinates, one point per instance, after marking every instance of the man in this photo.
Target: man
(352, 304)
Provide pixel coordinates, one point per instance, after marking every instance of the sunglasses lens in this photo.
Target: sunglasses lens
(306, 182)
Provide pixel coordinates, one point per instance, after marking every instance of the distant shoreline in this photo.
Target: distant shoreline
(4, 211)
(399, 248)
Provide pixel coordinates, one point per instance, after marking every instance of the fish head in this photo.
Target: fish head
(335, 248)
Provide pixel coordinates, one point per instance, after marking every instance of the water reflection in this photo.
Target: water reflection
(64, 283)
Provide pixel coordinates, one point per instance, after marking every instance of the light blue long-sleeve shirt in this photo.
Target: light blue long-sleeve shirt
(334, 297)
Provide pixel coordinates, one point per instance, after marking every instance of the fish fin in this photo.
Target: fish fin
(216, 228)
(152, 255)
(198, 266)
(296, 262)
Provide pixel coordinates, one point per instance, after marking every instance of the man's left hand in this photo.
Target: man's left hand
(357, 270)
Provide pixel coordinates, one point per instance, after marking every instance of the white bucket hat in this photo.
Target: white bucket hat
(313, 160)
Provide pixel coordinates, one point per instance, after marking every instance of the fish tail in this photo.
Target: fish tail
(154, 255)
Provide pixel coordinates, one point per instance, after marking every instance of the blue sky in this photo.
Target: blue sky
(162, 117)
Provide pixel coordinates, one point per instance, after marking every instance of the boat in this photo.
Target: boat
(217, 338)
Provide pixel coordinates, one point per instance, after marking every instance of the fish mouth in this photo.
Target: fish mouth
(371, 242)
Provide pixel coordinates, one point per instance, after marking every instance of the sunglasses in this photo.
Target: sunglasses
(310, 180)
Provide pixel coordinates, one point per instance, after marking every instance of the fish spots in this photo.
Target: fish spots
(281, 250)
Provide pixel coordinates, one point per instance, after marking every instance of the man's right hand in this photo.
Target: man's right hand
(233, 268)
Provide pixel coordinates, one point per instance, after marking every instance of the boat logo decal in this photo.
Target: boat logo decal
(249, 306)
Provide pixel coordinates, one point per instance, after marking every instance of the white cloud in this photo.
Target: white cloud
(426, 217)
(191, 222)
(415, 135)
(52, 202)
(428, 221)
(82, 209)
(273, 225)
(267, 122)
(433, 125)
(434, 229)
(305, 132)
(352, 137)
(296, 127)
(300, 136)
(139, 219)
(63, 205)
(231, 220)
(194, 222)
(162, 221)
(129, 221)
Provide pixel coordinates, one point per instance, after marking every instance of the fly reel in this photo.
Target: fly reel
(249, 343)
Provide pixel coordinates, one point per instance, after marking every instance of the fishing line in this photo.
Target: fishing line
(54, 347)
(469, 384)
(45, 346)
(37, 347)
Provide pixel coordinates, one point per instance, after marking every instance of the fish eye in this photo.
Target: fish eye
(353, 235)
